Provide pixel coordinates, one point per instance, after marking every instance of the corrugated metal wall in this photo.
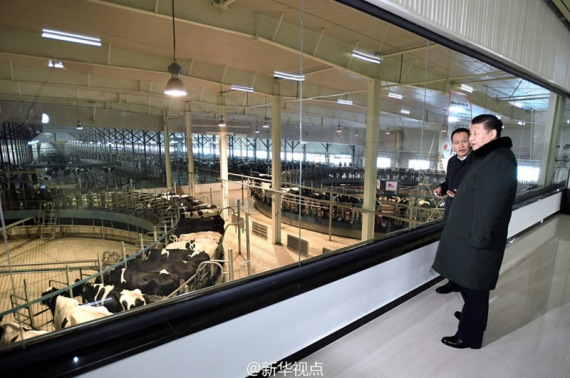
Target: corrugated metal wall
(522, 33)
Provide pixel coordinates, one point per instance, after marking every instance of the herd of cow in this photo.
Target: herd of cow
(193, 259)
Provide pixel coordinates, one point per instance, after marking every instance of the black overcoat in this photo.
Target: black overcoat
(456, 170)
(473, 241)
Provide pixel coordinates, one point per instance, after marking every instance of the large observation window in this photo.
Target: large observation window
(302, 169)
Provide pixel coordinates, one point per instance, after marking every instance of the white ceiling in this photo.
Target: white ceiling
(224, 42)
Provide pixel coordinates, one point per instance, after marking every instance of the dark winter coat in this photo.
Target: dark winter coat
(456, 170)
(473, 241)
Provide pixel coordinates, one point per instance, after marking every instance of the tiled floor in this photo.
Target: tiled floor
(528, 333)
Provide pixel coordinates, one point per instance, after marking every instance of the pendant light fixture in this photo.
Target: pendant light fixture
(266, 120)
(221, 122)
(79, 125)
(175, 86)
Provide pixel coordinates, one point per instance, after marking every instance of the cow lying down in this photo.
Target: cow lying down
(67, 312)
(11, 332)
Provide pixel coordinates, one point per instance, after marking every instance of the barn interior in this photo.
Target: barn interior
(307, 130)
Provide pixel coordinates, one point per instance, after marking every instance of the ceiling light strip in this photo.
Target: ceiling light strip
(284, 75)
(395, 95)
(68, 37)
(242, 89)
(344, 102)
(374, 58)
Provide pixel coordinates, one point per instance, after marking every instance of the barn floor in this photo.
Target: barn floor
(42, 262)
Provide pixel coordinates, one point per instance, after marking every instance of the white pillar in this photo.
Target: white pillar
(370, 158)
(276, 163)
(554, 120)
(190, 154)
(167, 165)
(224, 167)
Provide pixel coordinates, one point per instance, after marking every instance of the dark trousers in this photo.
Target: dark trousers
(474, 314)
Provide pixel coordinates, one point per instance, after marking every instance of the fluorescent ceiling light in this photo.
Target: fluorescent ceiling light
(68, 37)
(466, 88)
(517, 104)
(240, 88)
(55, 64)
(284, 75)
(344, 102)
(404, 111)
(374, 58)
(395, 95)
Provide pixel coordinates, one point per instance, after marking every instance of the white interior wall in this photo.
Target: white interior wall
(537, 43)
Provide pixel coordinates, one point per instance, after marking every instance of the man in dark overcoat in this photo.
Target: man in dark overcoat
(457, 167)
(473, 241)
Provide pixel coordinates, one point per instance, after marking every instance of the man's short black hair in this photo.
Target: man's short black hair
(459, 130)
(490, 122)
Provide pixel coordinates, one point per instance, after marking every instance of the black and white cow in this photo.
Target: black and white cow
(11, 332)
(115, 299)
(151, 283)
(183, 269)
(184, 245)
(205, 241)
(189, 225)
(169, 254)
(67, 312)
(205, 211)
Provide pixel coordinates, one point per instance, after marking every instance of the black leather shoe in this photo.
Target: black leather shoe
(447, 288)
(457, 314)
(456, 342)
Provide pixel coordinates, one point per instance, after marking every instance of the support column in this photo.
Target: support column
(167, 165)
(276, 163)
(554, 119)
(224, 165)
(370, 158)
(190, 154)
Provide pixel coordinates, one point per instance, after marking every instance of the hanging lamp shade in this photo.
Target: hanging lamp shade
(175, 86)
(221, 122)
